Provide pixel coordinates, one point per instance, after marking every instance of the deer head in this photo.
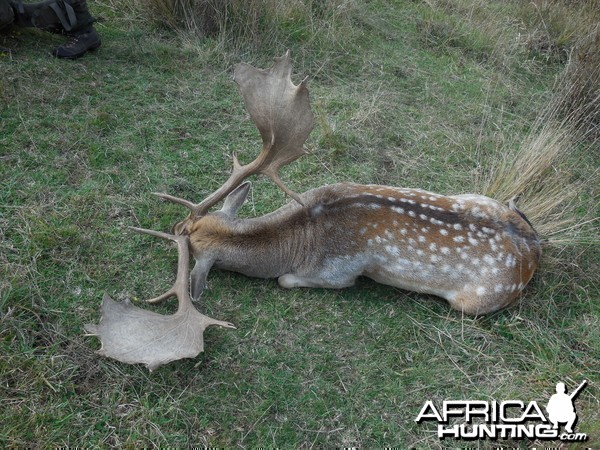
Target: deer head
(282, 114)
(133, 335)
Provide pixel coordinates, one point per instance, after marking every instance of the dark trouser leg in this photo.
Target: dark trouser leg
(7, 15)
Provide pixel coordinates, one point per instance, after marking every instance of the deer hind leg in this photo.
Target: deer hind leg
(290, 280)
(477, 300)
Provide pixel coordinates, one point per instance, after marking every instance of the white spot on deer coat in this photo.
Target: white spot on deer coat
(511, 261)
(489, 260)
(392, 250)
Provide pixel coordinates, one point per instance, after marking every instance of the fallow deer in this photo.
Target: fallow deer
(471, 250)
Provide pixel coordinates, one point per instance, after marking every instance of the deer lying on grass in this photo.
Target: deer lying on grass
(468, 249)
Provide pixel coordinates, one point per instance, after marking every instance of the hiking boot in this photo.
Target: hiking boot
(78, 44)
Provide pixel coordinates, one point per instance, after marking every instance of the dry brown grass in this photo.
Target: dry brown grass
(581, 85)
(555, 27)
(542, 172)
(507, 32)
(538, 178)
(249, 22)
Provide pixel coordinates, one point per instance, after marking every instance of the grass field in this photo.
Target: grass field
(425, 94)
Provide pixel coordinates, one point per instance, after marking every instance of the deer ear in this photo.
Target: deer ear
(236, 199)
(198, 277)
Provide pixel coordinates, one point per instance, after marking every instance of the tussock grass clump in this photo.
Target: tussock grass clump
(540, 172)
(536, 176)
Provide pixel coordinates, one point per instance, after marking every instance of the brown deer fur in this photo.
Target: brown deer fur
(468, 249)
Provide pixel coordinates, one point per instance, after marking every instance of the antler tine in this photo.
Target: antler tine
(171, 198)
(237, 176)
(180, 288)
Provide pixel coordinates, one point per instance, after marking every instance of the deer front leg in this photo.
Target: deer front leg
(290, 280)
(332, 273)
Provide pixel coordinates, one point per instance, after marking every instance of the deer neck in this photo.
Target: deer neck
(265, 247)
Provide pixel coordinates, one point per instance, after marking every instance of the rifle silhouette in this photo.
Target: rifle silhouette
(576, 391)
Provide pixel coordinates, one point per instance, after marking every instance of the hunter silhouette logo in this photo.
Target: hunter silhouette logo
(510, 419)
(561, 407)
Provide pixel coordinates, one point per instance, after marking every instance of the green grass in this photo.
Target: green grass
(411, 98)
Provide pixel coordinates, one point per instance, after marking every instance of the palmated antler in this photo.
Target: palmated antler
(282, 114)
(133, 335)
